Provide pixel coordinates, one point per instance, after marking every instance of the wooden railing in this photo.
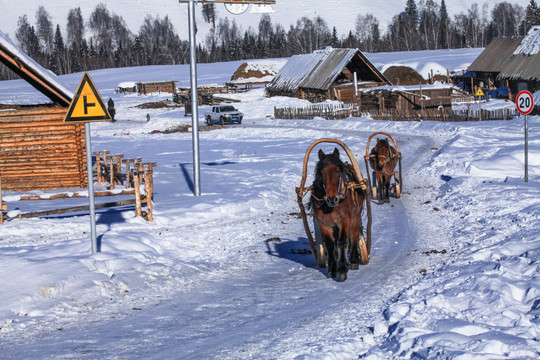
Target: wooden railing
(135, 176)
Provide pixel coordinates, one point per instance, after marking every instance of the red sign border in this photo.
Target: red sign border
(532, 102)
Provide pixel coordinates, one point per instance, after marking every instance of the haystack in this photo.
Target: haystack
(403, 75)
(253, 71)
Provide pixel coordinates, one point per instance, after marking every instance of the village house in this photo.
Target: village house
(507, 63)
(325, 74)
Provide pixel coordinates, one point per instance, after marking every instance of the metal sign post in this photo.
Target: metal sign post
(525, 104)
(89, 171)
(233, 6)
(86, 106)
(194, 99)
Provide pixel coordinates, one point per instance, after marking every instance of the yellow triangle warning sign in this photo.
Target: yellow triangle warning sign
(479, 92)
(87, 104)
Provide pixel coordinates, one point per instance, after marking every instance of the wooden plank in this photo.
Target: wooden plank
(75, 209)
(77, 195)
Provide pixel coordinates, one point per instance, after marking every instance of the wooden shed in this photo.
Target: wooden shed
(37, 149)
(126, 87)
(157, 87)
(326, 74)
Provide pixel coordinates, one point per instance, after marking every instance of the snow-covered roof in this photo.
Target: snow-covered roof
(494, 56)
(512, 58)
(524, 63)
(127, 84)
(530, 45)
(42, 79)
(319, 70)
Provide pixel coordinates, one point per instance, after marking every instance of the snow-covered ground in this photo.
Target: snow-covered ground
(453, 272)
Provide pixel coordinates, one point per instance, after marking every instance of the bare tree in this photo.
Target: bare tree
(209, 14)
(75, 27)
(100, 23)
(506, 18)
(367, 32)
(428, 24)
(44, 29)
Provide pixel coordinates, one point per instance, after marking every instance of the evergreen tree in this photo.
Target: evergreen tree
(335, 40)
(443, 27)
(58, 54)
(27, 38)
(532, 15)
(411, 26)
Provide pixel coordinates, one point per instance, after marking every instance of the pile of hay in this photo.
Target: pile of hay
(403, 75)
(261, 70)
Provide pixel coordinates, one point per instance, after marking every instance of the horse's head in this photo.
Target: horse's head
(383, 152)
(330, 178)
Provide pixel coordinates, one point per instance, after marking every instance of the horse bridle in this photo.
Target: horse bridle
(389, 157)
(334, 201)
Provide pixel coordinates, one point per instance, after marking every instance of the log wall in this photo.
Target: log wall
(39, 151)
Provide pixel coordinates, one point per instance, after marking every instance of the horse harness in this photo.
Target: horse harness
(342, 194)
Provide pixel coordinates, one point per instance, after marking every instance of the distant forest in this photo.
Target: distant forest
(104, 40)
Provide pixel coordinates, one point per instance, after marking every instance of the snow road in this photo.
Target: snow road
(257, 293)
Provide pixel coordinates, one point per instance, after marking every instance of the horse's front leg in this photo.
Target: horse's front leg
(380, 192)
(386, 189)
(356, 230)
(328, 237)
(379, 186)
(340, 252)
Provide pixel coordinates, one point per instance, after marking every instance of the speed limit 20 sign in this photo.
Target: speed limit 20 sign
(524, 102)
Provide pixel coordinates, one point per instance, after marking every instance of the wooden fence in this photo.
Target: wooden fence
(326, 111)
(331, 112)
(135, 176)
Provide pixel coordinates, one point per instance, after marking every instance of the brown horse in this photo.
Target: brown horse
(383, 160)
(337, 209)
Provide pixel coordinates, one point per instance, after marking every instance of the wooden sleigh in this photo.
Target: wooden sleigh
(317, 248)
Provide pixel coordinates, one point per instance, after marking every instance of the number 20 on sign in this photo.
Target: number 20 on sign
(525, 104)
